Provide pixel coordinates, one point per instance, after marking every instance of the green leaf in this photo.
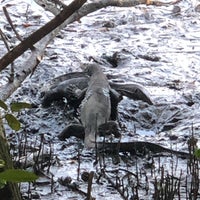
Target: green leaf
(2, 163)
(197, 153)
(3, 105)
(17, 175)
(2, 183)
(17, 106)
(12, 122)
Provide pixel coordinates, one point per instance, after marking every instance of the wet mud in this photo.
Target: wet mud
(155, 46)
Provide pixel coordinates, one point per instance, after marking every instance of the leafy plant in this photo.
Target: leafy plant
(12, 121)
(17, 175)
(17, 106)
(14, 175)
(3, 105)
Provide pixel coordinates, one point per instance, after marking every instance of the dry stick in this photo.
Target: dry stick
(89, 190)
(36, 163)
(3, 37)
(39, 34)
(11, 24)
(116, 186)
(11, 78)
(13, 27)
(50, 156)
(79, 164)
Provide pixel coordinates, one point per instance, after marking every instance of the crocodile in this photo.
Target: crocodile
(98, 99)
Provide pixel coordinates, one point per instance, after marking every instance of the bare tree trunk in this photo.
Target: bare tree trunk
(11, 190)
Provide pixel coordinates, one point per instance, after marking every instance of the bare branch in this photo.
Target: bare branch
(94, 6)
(39, 34)
(3, 37)
(11, 24)
(28, 66)
(91, 7)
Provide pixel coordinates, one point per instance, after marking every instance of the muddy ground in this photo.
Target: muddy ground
(155, 46)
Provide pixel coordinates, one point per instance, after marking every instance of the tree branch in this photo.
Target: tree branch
(28, 67)
(90, 7)
(39, 34)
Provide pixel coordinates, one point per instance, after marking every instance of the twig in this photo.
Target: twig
(121, 169)
(79, 164)
(13, 27)
(36, 166)
(116, 186)
(89, 190)
(3, 37)
(11, 24)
